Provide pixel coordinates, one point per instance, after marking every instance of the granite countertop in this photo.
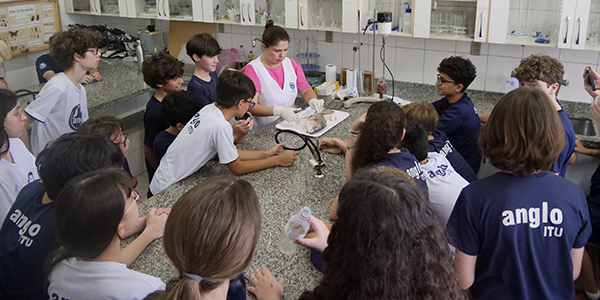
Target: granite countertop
(121, 81)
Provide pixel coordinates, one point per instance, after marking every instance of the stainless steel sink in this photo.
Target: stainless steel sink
(583, 126)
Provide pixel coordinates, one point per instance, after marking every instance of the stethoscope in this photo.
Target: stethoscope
(295, 141)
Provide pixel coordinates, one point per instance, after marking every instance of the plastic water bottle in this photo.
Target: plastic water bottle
(407, 19)
(139, 52)
(250, 56)
(241, 59)
(296, 227)
(511, 84)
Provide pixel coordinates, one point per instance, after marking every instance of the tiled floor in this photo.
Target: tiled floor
(142, 186)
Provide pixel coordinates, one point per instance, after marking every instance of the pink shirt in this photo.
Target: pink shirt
(277, 74)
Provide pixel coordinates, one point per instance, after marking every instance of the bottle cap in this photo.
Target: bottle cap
(305, 213)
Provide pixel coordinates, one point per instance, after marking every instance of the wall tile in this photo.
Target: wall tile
(224, 40)
(409, 65)
(413, 43)
(136, 163)
(330, 54)
(498, 71)
(480, 63)
(577, 56)
(239, 29)
(440, 45)
(390, 60)
(531, 50)
(110, 111)
(575, 91)
(33, 78)
(432, 61)
(19, 78)
(15, 63)
(505, 50)
(241, 39)
(348, 56)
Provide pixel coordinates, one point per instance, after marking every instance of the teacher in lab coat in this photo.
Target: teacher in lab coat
(278, 80)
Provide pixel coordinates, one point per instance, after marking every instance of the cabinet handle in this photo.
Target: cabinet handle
(165, 8)
(301, 13)
(481, 26)
(567, 31)
(158, 7)
(578, 31)
(242, 13)
(250, 13)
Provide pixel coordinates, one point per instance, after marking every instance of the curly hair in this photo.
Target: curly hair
(523, 134)
(381, 132)
(76, 40)
(160, 67)
(540, 67)
(461, 70)
(393, 247)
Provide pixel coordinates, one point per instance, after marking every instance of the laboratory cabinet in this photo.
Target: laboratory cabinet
(571, 24)
(116, 8)
(182, 10)
(328, 15)
(247, 12)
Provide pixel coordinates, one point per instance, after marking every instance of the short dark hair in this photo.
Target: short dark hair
(461, 70)
(540, 67)
(180, 107)
(88, 212)
(423, 113)
(274, 34)
(74, 154)
(202, 44)
(8, 101)
(415, 140)
(161, 67)
(76, 40)
(105, 126)
(233, 86)
(524, 134)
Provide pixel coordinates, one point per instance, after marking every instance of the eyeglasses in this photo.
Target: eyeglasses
(252, 103)
(441, 80)
(136, 198)
(93, 50)
(124, 142)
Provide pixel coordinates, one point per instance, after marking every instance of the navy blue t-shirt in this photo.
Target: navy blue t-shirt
(28, 236)
(408, 163)
(561, 164)
(522, 230)
(440, 144)
(154, 121)
(44, 64)
(161, 143)
(460, 122)
(206, 90)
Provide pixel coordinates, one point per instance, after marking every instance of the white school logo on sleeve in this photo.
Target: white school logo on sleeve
(43, 66)
(76, 118)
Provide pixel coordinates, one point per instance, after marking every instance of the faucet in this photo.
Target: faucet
(254, 42)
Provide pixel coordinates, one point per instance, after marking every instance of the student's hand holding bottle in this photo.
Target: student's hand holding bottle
(266, 287)
(319, 240)
(155, 224)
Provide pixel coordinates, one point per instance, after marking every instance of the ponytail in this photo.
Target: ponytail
(274, 34)
(183, 289)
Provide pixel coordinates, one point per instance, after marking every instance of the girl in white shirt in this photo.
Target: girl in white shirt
(17, 164)
(94, 211)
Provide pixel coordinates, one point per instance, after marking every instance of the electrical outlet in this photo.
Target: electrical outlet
(475, 48)
(329, 36)
(221, 28)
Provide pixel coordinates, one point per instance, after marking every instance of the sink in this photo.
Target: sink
(583, 126)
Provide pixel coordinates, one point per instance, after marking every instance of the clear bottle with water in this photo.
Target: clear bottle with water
(296, 227)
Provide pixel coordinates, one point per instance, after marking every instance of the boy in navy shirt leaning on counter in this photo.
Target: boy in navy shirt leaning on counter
(162, 72)
(458, 116)
(178, 108)
(425, 114)
(520, 233)
(209, 133)
(546, 73)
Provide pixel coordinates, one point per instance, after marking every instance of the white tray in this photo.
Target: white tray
(303, 116)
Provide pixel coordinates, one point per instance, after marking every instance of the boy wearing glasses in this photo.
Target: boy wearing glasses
(61, 105)
(209, 133)
(113, 129)
(458, 116)
(162, 72)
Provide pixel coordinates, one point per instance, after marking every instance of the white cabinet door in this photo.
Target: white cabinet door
(582, 21)
(422, 18)
(291, 14)
(481, 21)
(567, 22)
(350, 16)
(451, 19)
(162, 8)
(95, 7)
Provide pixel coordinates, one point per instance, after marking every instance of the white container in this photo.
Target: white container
(407, 19)
(511, 84)
(296, 227)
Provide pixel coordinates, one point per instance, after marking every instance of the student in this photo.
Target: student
(425, 114)
(546, 73)
(203, 49)
(520, 233)
(28, 233)
(93, 212)
(443, 182)
(206, 253)
(278, 80)
(47, 68)
(458, 116)
(365, 258)
(113, 129)
(178, 108)
(17, 164)
(162, 72)
(61, 105)
(209, 133)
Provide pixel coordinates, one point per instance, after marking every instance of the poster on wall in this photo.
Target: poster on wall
(26, 26)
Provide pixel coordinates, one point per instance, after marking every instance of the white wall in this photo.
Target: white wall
(416, 60)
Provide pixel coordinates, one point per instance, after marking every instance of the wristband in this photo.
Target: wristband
(354, 134)
(348, 147)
